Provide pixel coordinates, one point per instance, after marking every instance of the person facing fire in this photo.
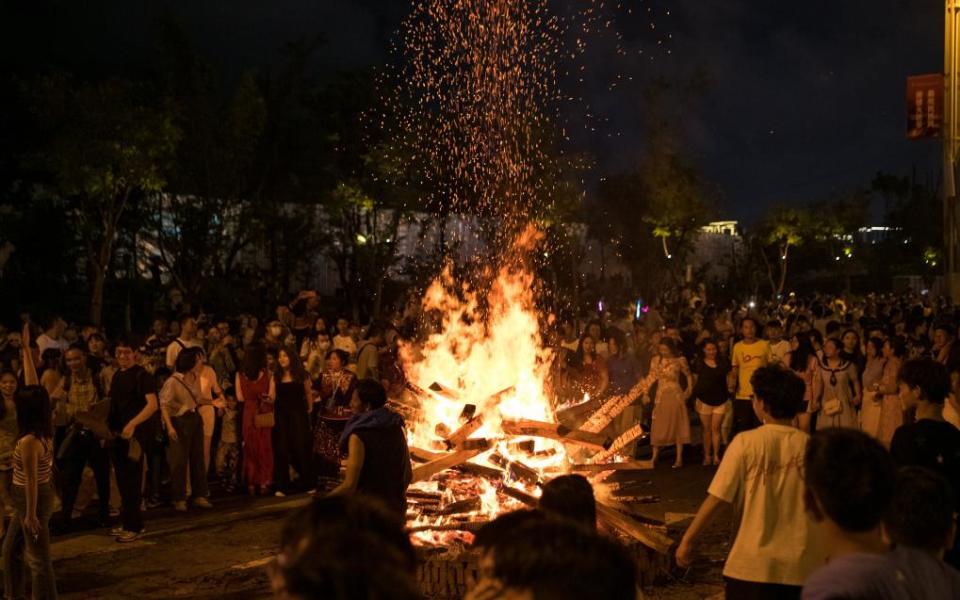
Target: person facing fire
(378, 460)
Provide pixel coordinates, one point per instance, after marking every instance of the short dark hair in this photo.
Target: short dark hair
(570, 497)
(347, 547)
(930, 376)
(501, 530)
(125, 341)
(947, 328)
(371, 393)
(340, 352)
(921, 513)
(780, 390)
(555, 559)
(851, 475)
(34, 412)
(187, 359)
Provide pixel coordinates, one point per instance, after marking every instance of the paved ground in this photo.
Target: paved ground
(221, 553)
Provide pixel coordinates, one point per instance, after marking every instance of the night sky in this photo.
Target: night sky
(805, 99)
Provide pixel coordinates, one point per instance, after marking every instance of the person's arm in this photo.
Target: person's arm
(171, 356)
(31, 460)
(734, 373)
(888, 382)
(700, 522)
(355, 456)
(685, 369)
(272, 393)
(145, 413)
(237, 388)
(857, 387)
(166, 395)
(29, 368)
(308, 394)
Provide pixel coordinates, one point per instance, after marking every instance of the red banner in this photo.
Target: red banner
(924, 106)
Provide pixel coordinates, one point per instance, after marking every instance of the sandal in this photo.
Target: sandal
(677, 466)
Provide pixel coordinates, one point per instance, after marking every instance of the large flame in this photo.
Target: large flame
(487, 352)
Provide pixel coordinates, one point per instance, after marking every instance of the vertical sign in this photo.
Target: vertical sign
(924, 106)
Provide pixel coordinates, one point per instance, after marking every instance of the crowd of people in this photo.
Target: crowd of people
(278, 406)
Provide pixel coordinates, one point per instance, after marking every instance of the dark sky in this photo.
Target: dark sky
(805, 99)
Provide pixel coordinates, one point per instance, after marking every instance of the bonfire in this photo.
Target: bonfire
(482, 423)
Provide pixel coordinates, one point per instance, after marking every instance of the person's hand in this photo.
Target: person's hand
(684, 553)
(219, 403)
(172, 434)
(25, 335)
(32, 524)
(128, 430)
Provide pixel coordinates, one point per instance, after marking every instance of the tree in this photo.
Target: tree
(783, 229)
(109, 146)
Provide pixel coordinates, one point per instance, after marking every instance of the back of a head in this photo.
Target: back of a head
(555, 559)
(570, 497)
(851, 476)
(346, 548)
(780, 390)
(371, 393)
(921, 514)
(931, 377)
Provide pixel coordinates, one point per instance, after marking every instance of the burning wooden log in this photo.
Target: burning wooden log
(556, 432)
(447, 461)
(423, 455)
(516, 469)
(520, 495)
(458, 437)
(462, 506)
(618, 444)
(443, 391)
(471, 526)
(630, 465)
(633, 528)
(611, 409)
(481, 470)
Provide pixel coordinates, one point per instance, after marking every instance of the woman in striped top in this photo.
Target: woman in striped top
(29, 536)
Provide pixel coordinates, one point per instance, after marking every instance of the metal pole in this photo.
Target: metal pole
(950, 80)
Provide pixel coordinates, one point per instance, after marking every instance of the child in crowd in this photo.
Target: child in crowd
(228, 452)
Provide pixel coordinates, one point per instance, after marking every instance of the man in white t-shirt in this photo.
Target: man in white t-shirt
(779, 347)
(186, 339)
(343, 340)
(52, 336)
(777, 545)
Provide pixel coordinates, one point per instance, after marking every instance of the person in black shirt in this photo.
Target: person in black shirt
(378, 460)
(929, 442)
(710, 392)
(133, 402)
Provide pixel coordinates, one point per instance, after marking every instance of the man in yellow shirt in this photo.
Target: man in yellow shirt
(749, 354)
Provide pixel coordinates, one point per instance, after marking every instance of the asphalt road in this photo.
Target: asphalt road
(222, 552)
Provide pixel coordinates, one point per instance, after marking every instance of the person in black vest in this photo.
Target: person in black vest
(378, 460)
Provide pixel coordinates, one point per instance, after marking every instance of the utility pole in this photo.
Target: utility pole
(951, 82)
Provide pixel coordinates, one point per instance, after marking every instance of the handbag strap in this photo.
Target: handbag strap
(189, 391)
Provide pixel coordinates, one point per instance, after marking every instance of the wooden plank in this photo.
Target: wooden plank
(422, 455)
(443, 391)
(631, 527)
(457, 438)
(618, 444)
(447, 461)
(555, 431)
(630, 465)
(520, 495)
(611, 409)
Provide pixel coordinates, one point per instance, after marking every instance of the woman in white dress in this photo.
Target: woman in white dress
(836, 389)
(671, 421)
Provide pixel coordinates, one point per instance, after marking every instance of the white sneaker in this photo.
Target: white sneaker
(279, 494)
